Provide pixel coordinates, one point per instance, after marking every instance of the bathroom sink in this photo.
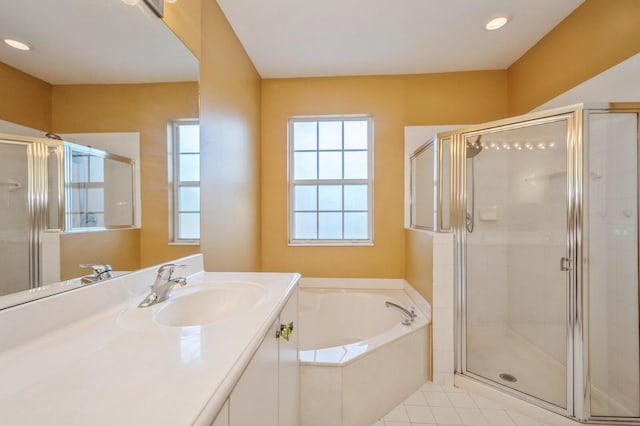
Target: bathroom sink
(210, 303)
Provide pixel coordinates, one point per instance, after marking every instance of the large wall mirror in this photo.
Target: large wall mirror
(100, 68)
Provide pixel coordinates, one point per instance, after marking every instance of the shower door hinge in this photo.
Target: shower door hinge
(566, 264)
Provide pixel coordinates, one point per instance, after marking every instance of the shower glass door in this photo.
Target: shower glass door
(14, 218)
(516, 293)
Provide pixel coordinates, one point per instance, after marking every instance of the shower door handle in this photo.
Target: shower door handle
(566, 264)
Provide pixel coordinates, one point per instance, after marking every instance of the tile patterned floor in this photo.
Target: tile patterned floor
(446, 405)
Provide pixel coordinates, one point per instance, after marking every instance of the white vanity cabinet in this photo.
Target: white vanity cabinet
(267, 393)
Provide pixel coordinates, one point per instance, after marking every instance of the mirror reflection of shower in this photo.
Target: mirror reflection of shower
(472, 149)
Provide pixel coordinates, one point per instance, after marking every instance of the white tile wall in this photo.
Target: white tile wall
(14, 220)
(443, 294)
(613, 263)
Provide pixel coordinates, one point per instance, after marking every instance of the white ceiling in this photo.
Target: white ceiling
(304, 38)
(93, 42)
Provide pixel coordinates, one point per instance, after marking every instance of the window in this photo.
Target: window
(184, 181)
(330, 180)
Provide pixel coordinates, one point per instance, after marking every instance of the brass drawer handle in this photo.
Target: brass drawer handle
(286, 330)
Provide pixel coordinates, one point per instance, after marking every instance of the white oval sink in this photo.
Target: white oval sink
(210, 304)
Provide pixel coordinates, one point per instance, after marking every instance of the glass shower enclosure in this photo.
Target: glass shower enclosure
(545, 216)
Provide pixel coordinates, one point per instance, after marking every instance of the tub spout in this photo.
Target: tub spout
(409, 315)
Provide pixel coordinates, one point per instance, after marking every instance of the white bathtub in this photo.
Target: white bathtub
(357, 360)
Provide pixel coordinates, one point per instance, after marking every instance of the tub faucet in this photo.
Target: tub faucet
(163, 284)
(101, 272)
(409, 315)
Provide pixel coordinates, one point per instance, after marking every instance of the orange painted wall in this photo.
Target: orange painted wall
(596, 36)
(419, 262)
(394, 102)
(24, 99)
(230, 146)
(121, 248)
(183, 17)
(144, 108)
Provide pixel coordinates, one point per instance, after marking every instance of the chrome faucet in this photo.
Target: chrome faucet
(163, 284)
(409, 315)
(101, 272)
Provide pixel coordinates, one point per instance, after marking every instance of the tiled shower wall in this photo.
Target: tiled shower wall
(14, 220)
(613, 262)
(513, 275)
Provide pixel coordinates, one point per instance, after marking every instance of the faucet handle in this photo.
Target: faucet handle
(99, 269)
(171, 267)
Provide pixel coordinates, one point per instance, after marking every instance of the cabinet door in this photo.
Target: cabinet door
(289, 372)
(254, 400)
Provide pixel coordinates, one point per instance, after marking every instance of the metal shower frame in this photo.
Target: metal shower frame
(578, 374)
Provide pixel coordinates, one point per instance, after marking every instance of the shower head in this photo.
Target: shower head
(474, 148)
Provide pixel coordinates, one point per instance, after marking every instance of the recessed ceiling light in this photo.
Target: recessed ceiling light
(496, 23)
(130, 2)
(17, 44)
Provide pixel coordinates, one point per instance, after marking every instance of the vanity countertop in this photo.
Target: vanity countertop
(117, 367)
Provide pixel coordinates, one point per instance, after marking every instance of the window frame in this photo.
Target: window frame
(175, 183)
(369, 181)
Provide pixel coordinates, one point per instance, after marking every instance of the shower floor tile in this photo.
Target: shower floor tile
(446, 405)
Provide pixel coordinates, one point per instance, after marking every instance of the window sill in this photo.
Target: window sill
(331, 244)
(184, 243)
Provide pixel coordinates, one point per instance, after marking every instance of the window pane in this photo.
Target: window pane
(355, 197)
(330, 165)
(330, 134)
(330, 197)
(305, 226)
(356, 226)
(189, 138)
(189, 167)
(304, 197)
(355, 165)
(330, 226)
(95, 199)
(87, 220)
(189, 226)
(305, 135)
(304, 165)
(355, 135)
(189, 198)
(96, 169)
(79, 168)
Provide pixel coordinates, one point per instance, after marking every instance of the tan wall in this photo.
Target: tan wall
(120, 248)
(596, 36)
(229, 138)
(418, 262)
(24, 99)
(183, 17)
(144, 108)
(393, 101)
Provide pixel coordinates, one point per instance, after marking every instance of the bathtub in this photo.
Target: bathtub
(357, 361)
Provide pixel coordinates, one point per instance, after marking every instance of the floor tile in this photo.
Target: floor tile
(483, 402)
(498, 417)
(398, 414)
(417, 398)
(522, 420)
(461, 400)
(420, 414)
(437, 399)
(472, 417)
(441, 405)
(452, 389)
(431, 387)
(446, 415)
